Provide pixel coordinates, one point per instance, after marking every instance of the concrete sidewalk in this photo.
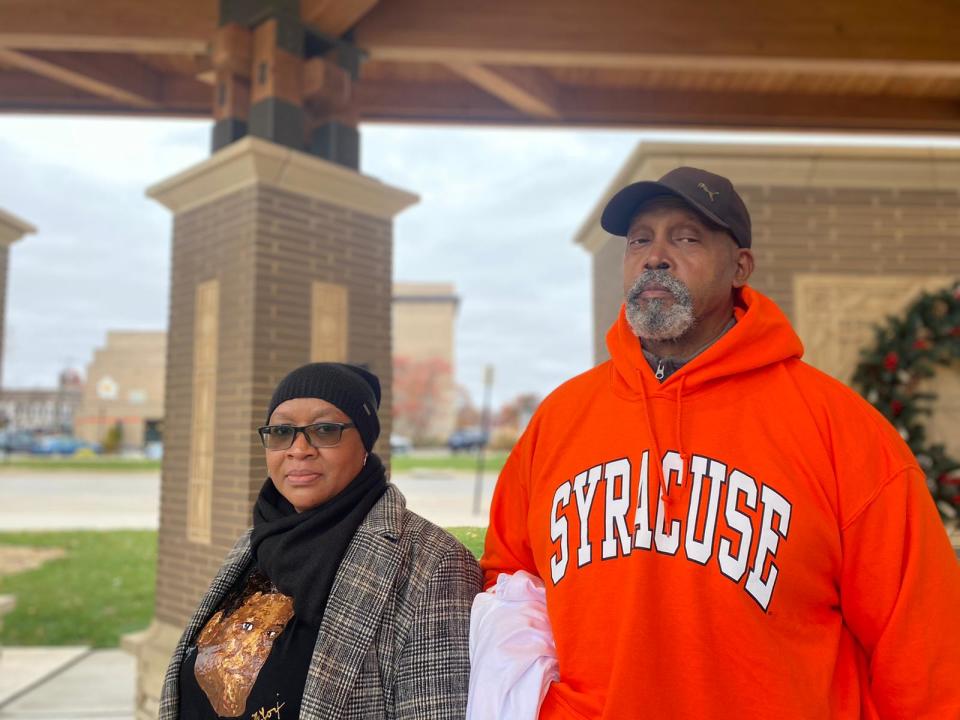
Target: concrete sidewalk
(66, 683)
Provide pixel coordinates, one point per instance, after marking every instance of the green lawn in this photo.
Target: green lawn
(405, 463)
(94, 464)
(101, 589)
(399, 463)
(472, 537)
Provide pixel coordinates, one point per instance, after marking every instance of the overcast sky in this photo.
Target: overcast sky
(497, 215)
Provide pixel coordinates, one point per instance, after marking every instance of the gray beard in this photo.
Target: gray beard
(659, 318)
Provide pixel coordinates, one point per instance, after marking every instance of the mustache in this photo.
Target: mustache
(661, 279)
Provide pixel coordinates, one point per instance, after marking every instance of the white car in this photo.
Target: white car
(400, 444)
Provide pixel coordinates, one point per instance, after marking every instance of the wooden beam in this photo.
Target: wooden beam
(185, 96)
(124, 26)
(104, 43)
(642, 62)
(391, 101)
(529, 90)
(327, 88)
(574, 33)
(334, 17)
(123, 80)
(759, 110)
(388, 100)
(24, 92)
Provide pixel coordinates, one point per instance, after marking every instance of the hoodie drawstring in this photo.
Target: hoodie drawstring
(683, 455)
(657, 460)
(669, 499)
(684, 488)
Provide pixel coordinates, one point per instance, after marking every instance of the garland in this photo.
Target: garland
(906, 351)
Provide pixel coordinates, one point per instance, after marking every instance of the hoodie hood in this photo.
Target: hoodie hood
(761, 337)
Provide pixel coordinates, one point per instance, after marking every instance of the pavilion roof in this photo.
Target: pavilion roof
(879, 65)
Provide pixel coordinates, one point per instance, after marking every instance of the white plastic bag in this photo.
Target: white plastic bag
(513, 657)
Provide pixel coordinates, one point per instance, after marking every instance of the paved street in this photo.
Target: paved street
(36, 500)
(61, 500)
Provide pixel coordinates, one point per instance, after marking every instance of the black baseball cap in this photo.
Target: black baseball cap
(712, 196)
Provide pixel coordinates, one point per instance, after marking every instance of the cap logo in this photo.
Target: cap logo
(708, 191)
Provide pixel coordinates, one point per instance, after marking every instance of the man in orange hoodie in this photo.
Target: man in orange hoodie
(723, 531)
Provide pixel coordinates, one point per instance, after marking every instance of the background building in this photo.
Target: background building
(424, 389)
(124, 387)
(843, 237)
(125, 379)
(43, 410)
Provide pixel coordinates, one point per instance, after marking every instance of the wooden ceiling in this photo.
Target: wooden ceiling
(878, 65)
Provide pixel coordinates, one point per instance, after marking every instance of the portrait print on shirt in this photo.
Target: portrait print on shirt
(231, 650)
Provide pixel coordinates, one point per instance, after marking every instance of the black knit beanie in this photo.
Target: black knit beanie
(353, 389)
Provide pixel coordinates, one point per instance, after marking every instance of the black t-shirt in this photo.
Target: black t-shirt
(277, 690)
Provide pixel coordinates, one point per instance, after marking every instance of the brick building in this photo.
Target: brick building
(843, 237)
(424, 315)
(124, 388)
(42, 410)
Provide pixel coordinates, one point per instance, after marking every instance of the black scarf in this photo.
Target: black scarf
(301, 552)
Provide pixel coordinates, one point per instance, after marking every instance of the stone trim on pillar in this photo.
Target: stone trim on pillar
(300, 250)
(329, 322)
(254, 162)
(206, 330)
(12, 229)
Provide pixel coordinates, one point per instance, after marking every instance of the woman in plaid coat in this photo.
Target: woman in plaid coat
(339, 602)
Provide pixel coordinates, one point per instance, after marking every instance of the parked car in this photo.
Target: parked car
(467, 439)
(400, 445)
(61, 445)
(16, 441)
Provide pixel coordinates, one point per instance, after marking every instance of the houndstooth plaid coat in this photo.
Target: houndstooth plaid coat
(393, 640)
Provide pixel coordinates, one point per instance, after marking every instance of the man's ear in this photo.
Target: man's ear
(744, 267)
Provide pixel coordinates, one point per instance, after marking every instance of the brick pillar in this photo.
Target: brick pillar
(12, 229)
(279, 258)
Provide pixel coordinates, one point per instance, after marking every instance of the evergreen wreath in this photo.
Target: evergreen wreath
(906, 350)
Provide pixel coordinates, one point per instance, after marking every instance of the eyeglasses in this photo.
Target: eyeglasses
(319, 435)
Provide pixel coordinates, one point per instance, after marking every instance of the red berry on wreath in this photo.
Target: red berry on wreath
(891, 361)
(897, 407)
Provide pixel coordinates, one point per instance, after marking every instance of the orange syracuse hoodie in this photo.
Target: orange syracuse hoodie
(748, 539)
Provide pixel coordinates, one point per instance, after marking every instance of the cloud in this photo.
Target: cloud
(498, 212)
(100, 259)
